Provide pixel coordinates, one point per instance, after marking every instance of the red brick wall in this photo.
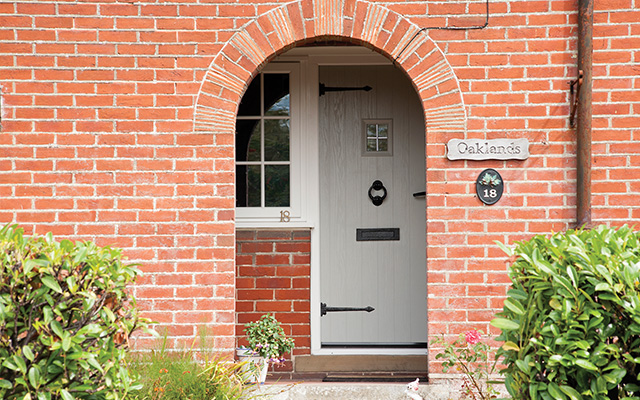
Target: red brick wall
(117, 127)
(273, 276)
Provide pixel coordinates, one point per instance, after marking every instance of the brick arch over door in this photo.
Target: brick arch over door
(358, 22)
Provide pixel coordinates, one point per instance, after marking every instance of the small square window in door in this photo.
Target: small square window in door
(377, 139)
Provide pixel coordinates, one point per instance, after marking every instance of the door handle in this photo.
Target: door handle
(419, 194)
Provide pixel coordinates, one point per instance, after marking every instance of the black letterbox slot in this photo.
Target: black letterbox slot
(374, 234)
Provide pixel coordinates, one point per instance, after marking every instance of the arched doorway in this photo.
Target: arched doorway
(314, 129)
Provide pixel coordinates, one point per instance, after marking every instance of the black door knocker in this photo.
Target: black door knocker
(377, 186)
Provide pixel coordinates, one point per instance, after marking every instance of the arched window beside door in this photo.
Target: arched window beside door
(268, 149)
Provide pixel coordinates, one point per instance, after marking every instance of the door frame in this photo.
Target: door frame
(310, 59)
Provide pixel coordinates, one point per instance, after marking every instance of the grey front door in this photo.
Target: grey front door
(365, 137)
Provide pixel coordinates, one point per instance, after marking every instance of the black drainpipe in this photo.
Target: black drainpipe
(585, 61)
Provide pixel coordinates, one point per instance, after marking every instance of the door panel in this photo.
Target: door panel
(389, 275)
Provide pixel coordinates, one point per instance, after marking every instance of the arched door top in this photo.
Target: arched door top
(353, 21)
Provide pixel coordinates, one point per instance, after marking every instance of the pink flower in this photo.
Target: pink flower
(472, 336)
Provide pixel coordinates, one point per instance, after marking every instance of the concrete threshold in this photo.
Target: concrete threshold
(352, 391)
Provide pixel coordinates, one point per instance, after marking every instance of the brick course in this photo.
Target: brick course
(117, 123)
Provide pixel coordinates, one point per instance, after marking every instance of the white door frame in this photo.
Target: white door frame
(311, 58)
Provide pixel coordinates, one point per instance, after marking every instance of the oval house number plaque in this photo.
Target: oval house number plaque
(489, 186)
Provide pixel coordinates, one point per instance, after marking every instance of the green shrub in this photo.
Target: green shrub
(65, 319)
(571, 320)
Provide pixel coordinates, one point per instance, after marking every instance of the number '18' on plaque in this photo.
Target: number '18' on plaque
(489, 186)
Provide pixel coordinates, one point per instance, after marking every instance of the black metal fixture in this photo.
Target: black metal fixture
(324, 89)
(448, 28)
(419, 194)
(324, 309)
(577, 83)
(377, 186)
(376, 234)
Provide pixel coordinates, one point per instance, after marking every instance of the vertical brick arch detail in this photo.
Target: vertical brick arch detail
(355, 21)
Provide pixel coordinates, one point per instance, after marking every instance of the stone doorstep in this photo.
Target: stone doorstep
(354, 368)
(445, 390)
(361, 363)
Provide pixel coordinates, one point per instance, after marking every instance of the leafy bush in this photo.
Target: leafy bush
(571, 321)
(65, 319)
(178, 375)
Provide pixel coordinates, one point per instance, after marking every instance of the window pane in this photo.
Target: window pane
(371, 145)
(382, 145)
(250, 103)
(253, 186)
(276, 185)
(371, 130)
(383, 130)
(276, 94)
(276, 140)
(247, 186)
(248, 140)
(241, 185)
(254, 144)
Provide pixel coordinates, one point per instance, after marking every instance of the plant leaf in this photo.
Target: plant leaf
(571, 392)
(510, 346)
(66, 395)
(27, 353)
(56, 328)
(505, 324)
(585, 364)
(514, 306)
(34, 376)
(51, 283)
(554, 391)
(508, 251)
(66, 341)
(20, 363)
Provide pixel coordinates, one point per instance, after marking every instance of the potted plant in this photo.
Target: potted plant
(267, 345)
